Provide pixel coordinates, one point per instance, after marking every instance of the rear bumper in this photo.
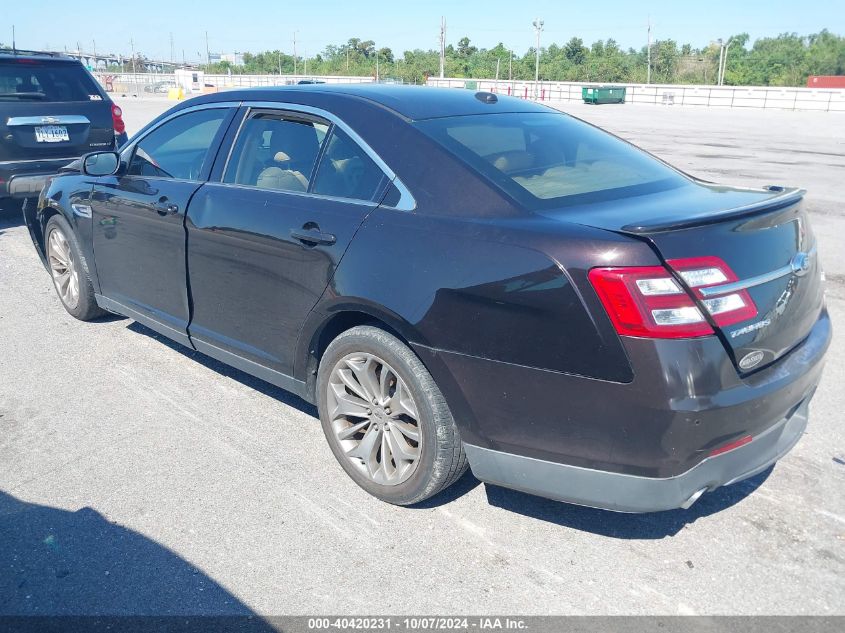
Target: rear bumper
(630, 493)
(639, 446)
(25, 179)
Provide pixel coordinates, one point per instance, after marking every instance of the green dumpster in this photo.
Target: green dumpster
(603, 94)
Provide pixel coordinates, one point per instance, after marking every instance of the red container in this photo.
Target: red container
(826, 81)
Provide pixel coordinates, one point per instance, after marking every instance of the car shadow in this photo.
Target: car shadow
(652, 525)
(59, 562)
(263, 387)
(646, 526)
(11, 214)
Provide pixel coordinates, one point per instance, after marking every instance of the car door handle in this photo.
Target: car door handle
(312, 236)
(164, 209)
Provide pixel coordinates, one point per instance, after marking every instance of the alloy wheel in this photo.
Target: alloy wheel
(374, 418)
(63, 268)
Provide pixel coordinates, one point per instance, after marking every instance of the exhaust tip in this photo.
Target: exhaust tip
(693, 498)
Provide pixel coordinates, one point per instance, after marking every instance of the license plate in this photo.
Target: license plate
(51, 133)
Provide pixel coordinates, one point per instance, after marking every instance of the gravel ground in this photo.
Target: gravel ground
(137, 477)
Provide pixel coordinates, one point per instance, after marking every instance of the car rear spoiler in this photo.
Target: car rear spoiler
(784, 197)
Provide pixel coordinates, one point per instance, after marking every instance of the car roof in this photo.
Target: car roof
(411, 102)
(35, 56)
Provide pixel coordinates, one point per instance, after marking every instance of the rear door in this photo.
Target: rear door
(51, 109)
(139, 214)
(264, 241)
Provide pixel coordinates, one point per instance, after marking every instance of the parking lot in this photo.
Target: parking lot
(139, 477)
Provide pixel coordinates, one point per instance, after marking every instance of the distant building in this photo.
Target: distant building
(236, 59)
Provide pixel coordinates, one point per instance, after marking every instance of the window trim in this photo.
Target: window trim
(406, 199)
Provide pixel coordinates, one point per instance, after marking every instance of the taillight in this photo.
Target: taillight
(647, 301)
(117, 119)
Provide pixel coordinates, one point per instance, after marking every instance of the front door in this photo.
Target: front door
(139, 214)
(264, 242)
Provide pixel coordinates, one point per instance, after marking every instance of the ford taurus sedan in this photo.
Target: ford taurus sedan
(460, 279)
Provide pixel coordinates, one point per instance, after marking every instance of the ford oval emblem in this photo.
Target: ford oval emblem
(751, 359)
(800, 264)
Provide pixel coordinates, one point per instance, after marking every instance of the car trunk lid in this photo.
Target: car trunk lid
(762, 235)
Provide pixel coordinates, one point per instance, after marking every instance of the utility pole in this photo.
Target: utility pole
(280, 62)
(442, 46)
(207, 53)
(347, 59)
(305, 61)
(376, 65)
(648, 52)
(510, 65)
(497, 69)
(134, 76)
(172, 57)
(14, 46)
(538, 27)
(294, 51)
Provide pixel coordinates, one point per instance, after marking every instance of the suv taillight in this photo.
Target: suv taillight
(117, 119)
(647, 301)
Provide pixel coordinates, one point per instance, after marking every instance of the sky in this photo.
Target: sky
(255, 25)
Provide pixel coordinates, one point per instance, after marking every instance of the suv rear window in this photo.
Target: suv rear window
(551, 159)
(28, 80)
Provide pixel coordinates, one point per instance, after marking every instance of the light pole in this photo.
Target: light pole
(538, 27)
(724, 66)
(648, 52)
(294, 51)
(721, 55)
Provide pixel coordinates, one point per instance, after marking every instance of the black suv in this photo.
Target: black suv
(51, 112)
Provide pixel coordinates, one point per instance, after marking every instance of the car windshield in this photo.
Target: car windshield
(27, 80)
(550, 159)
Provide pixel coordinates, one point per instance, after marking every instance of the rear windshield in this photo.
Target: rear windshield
(26, 80)
(550, 159)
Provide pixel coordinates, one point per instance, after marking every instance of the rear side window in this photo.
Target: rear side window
(550, 159)
(39, 81)
(346, 171)
(178, 148)
(276, 151)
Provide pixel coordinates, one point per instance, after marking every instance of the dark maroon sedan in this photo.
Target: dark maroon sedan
(458, 278)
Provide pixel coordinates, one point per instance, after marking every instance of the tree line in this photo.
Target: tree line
(785, 60)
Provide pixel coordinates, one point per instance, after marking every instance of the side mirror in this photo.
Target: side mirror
(101, 163)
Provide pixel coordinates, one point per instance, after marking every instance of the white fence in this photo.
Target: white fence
(821, 99)
(828, 100)
(145, 82)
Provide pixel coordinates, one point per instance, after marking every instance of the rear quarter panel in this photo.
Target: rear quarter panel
(513, 292)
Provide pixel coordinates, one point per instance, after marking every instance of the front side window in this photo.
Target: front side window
(276, 151)
(549, 159)
(346, 171)
(178, 148)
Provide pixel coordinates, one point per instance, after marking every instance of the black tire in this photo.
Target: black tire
(441, 460)
(86, 308)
